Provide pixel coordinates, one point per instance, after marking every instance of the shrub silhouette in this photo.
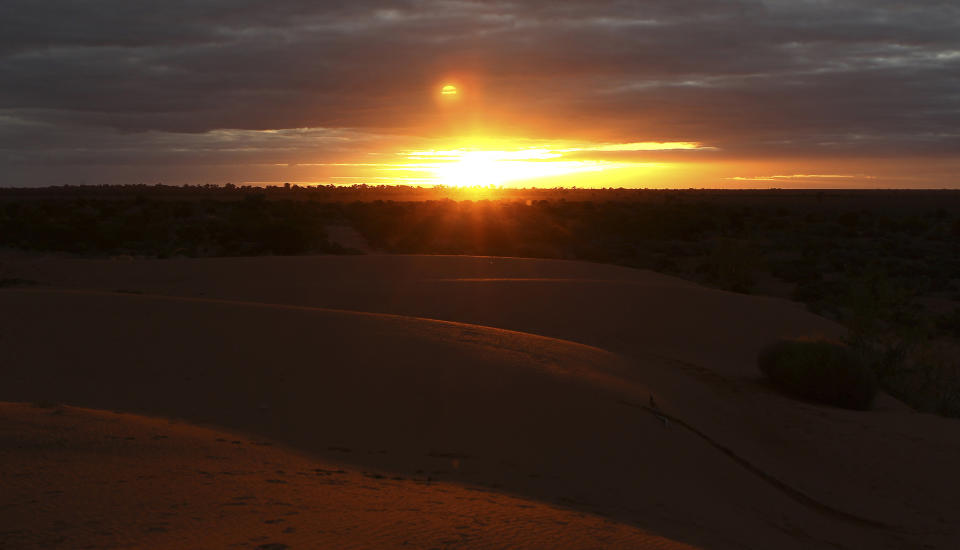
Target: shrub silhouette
(820, 370)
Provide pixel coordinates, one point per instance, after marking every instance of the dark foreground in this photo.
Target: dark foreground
(884, 263)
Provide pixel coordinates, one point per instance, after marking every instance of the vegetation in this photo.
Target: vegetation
(886, 264)
(822, 371)
(139, 226)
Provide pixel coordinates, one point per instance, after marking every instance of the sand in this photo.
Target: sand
(525, 381)
(153, 483)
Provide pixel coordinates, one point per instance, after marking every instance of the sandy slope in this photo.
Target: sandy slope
(253, 345)
(151, 483)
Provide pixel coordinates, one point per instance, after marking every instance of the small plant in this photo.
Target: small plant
(732, 265)
(822, 371)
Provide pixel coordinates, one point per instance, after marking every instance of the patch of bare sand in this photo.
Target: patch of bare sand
(612, 307)
(79, 478)
(854, 476)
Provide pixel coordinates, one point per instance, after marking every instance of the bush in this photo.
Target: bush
(820, 370)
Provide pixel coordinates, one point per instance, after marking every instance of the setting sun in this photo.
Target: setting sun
(449, 89)
(459, 168)
(483, 167)
(485, 161)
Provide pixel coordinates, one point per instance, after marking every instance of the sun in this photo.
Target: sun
(449, 90)
(486, 167)
(470, 169)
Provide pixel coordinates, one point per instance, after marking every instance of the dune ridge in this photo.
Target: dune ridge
(166, 484)
(507, 373)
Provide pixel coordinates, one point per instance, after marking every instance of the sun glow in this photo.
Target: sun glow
(484, 162)
(449, 89)
(479, 161)
(460, 168)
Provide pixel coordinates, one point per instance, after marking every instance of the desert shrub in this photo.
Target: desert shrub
(923, 373)
(732, 265)
(949, 323)
(820, 370)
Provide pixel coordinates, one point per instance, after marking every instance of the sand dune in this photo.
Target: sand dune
(612, 307)
(150, 483)
(528, 376)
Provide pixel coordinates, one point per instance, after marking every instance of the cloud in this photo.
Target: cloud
(113, 81)
(648, 146)
(802, 177)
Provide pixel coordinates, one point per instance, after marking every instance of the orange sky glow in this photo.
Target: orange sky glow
(514, 94)
(468, 147)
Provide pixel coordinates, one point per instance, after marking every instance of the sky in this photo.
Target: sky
(657, 93)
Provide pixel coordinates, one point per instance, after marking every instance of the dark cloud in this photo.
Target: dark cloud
(102, 81)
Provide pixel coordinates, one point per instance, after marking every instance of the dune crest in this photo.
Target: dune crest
(600, 389)
(122, 480)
